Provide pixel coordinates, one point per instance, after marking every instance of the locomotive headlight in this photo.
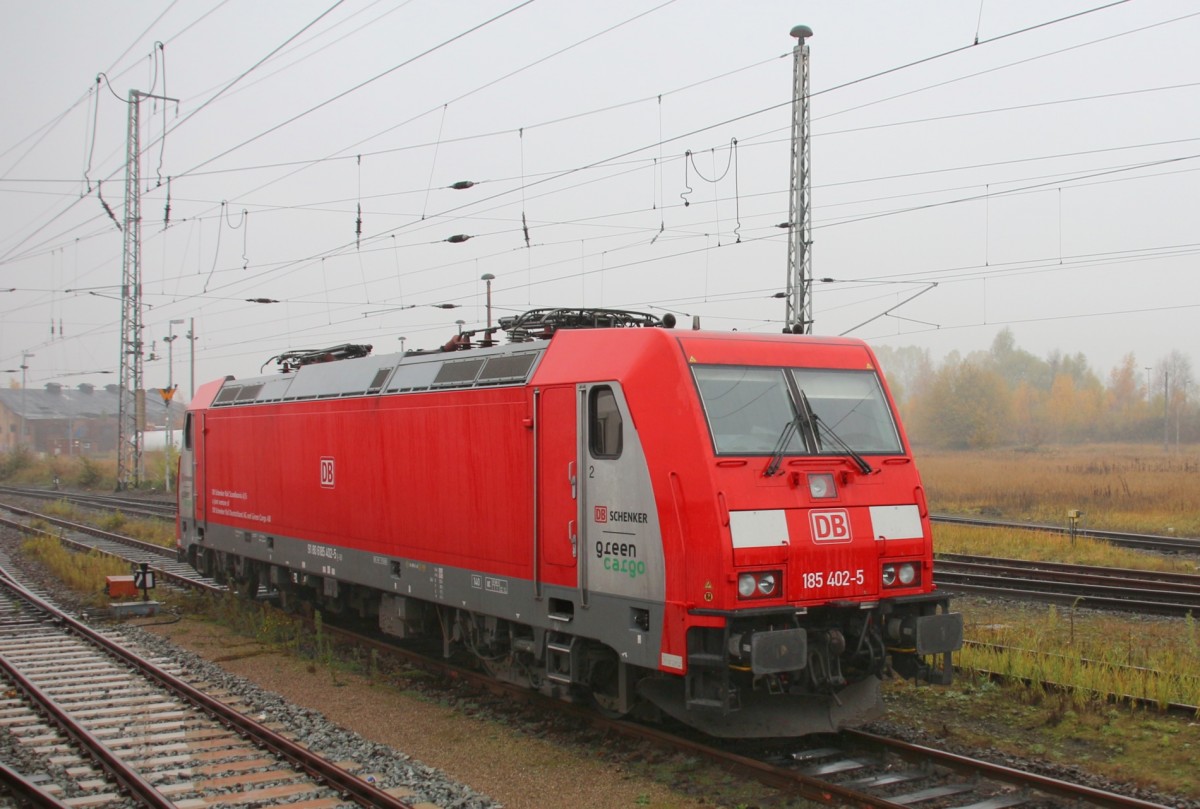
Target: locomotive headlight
(901, 574)
(821, 486)
(762, 584)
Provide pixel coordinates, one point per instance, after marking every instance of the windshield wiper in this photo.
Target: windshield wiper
(858, 459)
(785, 438)
(801, 423)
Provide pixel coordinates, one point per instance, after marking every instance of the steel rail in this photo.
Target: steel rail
(26, 792)
(1044, 783)
(998, 587)
(766, 773)
(1187, 582)
(162, 573)
(315, 765)
(128, 777)
(1101, 592)
(1079, 578)
(1128, 539)
(142, 508)
(148, 547)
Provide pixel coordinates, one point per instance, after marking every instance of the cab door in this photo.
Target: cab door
(557, 485)
(620, 538)
(190, 505)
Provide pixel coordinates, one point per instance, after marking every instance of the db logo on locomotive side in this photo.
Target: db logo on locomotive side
(327, 472)
(601, 514)
(830, 526)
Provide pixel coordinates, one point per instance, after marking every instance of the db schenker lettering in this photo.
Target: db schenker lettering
(628, 516)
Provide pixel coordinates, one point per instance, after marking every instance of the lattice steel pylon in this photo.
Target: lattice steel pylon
(129, 413)
(799, 318)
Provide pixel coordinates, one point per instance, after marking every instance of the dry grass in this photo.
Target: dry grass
(1118, 487)
(158, 532)
(84, 573)
(95, 473)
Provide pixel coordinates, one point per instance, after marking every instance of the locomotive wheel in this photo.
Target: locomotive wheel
(213, 567)
(246, 585)
(293, 602)
(605, 683)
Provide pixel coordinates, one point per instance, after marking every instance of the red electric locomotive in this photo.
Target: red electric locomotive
(726, 527)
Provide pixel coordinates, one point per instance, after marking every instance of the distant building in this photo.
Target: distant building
(59, 420)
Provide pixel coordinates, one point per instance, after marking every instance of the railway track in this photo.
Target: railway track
(108, 723)
(132, 506)
(1154, 542)
(84, 537)
(853, 769)
(1105, 588)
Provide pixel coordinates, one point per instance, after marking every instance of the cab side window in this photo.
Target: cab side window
(187, 431)
(604, 423)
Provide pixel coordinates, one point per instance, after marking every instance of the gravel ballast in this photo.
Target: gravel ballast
(405, 738)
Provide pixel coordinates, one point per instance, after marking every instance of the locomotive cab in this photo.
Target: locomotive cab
(822, 580)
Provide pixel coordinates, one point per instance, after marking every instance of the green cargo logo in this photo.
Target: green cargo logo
(621, 558)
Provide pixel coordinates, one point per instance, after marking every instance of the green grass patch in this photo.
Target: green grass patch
(1093, 654)
(63, 510)
(157, 532)
(1128, 745)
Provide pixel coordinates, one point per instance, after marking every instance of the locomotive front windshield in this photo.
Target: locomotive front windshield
(752, 410)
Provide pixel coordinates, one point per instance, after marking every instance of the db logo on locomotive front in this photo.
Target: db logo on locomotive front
(327, 472)
(830, 526)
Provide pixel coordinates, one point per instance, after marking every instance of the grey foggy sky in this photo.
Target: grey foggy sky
(1044, 178)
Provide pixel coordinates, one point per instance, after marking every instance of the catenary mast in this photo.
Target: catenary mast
(131, 404)
(799, 319)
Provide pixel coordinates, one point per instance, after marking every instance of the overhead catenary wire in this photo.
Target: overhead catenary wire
(1040, 25)
(304, 164)
(392, 236)
(322, 258)
(934, 171)
(350, 90)
(242, 75)
(845, 84)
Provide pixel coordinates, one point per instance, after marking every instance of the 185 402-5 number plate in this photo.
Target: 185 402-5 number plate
(833, 578)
